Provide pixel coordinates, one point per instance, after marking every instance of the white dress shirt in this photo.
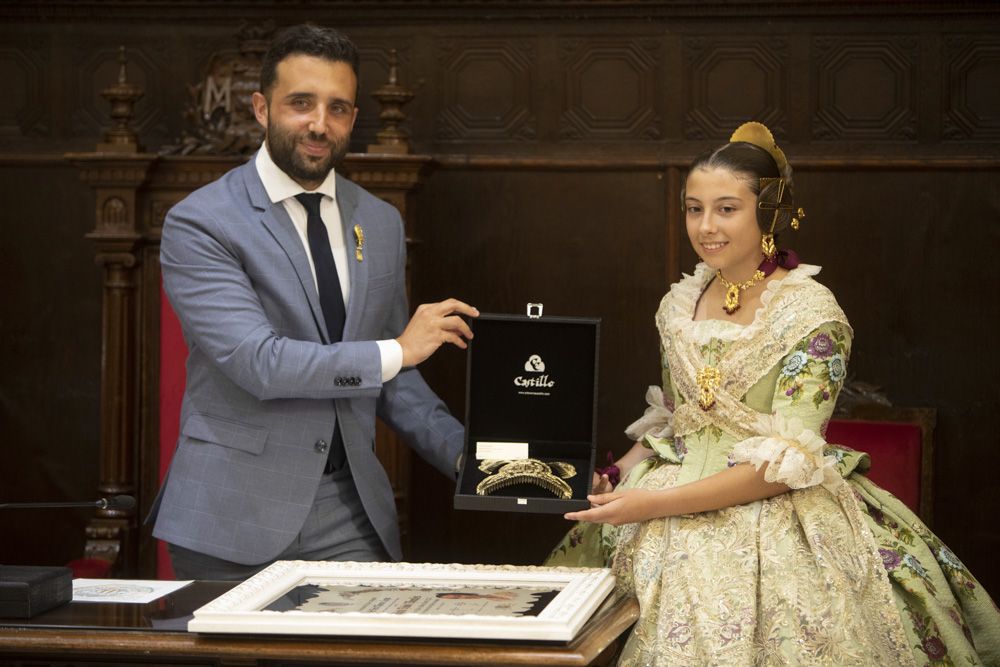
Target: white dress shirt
(281, 188)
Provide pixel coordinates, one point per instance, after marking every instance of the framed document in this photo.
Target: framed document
(409, 600)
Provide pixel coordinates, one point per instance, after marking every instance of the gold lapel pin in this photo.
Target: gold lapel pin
(359, 236)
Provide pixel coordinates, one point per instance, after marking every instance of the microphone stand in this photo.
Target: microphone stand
(113, 503)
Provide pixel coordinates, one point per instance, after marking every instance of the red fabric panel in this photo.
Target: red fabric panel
(173, 356)
(895, 450)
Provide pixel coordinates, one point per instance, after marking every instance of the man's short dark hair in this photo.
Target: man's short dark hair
(307, 40)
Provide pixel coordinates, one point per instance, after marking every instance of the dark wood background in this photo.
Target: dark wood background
(559, 132)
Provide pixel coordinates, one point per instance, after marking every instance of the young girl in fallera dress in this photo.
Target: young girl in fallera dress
(747, 539)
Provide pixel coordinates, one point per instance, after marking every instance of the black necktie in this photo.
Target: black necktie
(331, 300)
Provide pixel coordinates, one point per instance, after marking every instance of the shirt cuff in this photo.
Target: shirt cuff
(392, 358)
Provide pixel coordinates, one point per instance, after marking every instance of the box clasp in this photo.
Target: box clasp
(535, 310)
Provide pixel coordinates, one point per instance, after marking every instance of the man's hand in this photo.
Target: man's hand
(432, 325)
(625, 506)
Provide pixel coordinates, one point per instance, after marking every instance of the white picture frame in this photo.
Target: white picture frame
(564, 599)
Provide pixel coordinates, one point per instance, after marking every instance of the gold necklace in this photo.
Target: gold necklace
(733, 289)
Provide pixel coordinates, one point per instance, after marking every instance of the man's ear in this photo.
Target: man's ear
(260, 108)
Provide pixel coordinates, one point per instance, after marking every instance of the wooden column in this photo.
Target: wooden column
(115, 180)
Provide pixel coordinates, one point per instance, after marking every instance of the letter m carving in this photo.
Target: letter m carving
(217, 95)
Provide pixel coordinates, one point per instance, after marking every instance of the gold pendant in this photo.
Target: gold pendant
(359, 236)
(732, 303)
(732, 299)
(709, 378)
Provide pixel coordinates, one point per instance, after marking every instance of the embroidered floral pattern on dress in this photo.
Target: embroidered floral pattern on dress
(823, 357)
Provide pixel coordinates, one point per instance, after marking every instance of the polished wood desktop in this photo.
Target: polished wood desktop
(109, 633)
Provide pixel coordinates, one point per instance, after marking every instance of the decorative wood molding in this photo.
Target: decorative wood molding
(610, 88)
(486, 93)
(714, 68)
(22, 112)
(885, 68)
(436, 12)
(972, 70)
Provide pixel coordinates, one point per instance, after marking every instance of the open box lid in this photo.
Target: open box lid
(531, 380)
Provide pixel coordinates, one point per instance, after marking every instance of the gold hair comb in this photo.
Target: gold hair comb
(502, 474)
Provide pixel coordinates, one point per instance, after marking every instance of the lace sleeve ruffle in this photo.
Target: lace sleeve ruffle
(657, 421)
(793, 454)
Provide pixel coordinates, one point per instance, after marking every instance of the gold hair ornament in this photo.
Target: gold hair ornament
(359, 236)
(757, 134)
(548, 476)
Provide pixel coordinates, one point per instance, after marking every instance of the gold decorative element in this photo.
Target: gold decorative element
(733, 290)
(359, 236)
(767, 246)
(708, 378)
(800, 215)
(757, 134)
(548, 476)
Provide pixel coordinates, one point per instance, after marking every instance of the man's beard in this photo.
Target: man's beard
(281, 145)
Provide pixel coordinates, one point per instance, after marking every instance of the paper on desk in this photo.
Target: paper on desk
(138, 591)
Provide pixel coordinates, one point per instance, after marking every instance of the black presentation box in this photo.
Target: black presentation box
(29, 590)
(531, 380)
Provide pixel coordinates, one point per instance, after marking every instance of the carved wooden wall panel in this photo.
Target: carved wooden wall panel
(487, 90)
(732, 80)
(972, 88)
(23, 63)
(610, 89)
(866, 88)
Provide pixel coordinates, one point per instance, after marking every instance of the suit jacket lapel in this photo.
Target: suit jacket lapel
(275, 219)
(347, 203)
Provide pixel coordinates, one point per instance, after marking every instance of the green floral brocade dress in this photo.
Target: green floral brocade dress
(836, 571)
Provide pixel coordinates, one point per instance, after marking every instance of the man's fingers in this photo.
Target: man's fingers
(455, 323)
(452, 306)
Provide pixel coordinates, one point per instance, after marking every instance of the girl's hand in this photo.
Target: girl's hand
(601, 485)
(619, 507)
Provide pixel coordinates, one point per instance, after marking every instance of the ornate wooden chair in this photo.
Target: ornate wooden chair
(900, 442)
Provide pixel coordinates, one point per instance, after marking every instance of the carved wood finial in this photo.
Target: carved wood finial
(122, 95)
(392, 96)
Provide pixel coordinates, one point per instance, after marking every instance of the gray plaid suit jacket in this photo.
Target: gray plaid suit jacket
(264, 387)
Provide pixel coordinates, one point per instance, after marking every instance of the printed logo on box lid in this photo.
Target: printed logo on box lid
(534, 364)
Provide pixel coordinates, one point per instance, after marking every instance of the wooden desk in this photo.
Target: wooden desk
(156, 633)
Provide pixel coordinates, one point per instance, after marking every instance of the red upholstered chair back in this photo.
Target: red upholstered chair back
(899, 442)
(173, 356)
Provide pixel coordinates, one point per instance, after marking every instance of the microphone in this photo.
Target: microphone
(112, 503)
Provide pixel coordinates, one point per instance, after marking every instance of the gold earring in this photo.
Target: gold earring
(767, 246)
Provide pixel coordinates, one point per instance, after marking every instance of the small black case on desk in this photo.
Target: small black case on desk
(29, 590)
(534, 380)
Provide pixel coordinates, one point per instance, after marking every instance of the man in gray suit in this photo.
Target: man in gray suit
(289, 284)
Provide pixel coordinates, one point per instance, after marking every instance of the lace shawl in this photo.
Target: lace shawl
(791, 308)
